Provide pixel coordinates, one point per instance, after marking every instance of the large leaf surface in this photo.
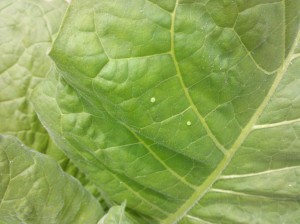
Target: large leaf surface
(34, 189)
(187, 109)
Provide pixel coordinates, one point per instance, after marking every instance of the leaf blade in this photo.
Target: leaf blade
(228, 75)
(32, 194)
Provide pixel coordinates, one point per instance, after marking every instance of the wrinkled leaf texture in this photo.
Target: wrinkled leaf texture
(27, 31)
(188, 109)
(29, 193)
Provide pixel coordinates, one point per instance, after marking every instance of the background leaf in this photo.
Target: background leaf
(115, 215)
(29, 193)
(27, 31)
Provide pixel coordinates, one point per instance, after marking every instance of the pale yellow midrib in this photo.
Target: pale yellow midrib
(186, 93)
(204, 188)
(277, 124)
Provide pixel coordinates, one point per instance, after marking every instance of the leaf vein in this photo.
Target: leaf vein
(185, 89)
(205, 187)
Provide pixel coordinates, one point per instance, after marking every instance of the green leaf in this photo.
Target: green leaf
(189, 110)
(34, 189)
(27, 30)
(115, 215)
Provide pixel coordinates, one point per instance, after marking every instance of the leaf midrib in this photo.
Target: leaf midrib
(204, 188)
(185, 90)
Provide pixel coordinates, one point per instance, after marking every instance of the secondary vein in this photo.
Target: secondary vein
(205, 187)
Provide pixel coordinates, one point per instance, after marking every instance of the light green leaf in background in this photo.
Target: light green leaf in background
(27, 31)
(28, 28)
(34, 189)
(115, 215)
(189, 110)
